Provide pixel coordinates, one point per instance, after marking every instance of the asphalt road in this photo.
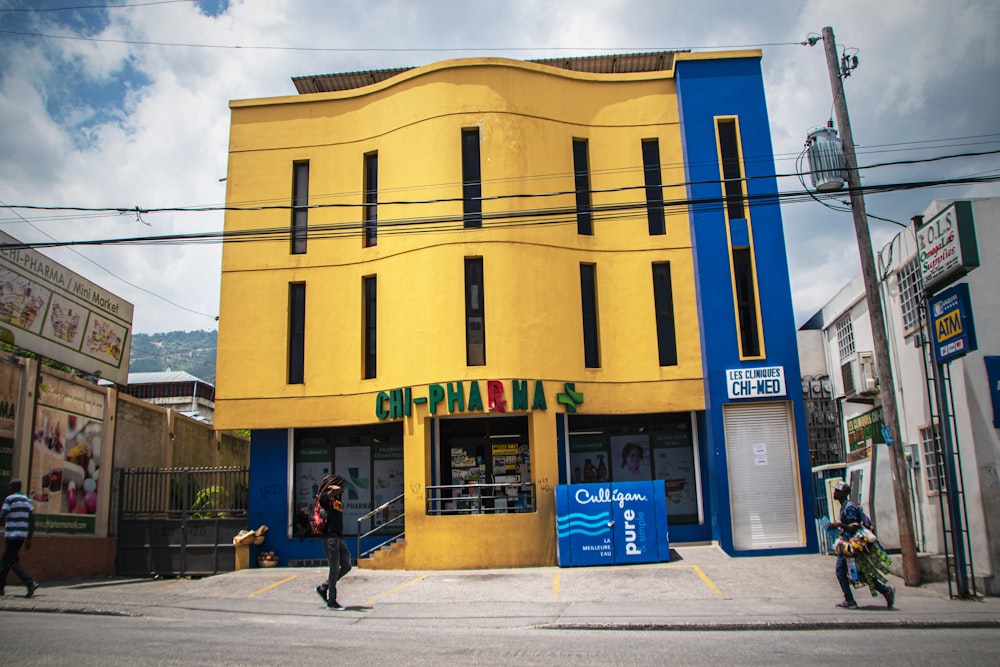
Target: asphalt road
(214, 638)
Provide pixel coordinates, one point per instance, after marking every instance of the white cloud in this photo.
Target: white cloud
(926, 72)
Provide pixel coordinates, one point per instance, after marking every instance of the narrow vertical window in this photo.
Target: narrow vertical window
(588, 301)
(300, 206)
(371, 199)
(654, 186)
(581, 171)
(732, 174)
(296, 333)
(746, 302)
(369, 296)
(472, 186)
(475, 314)
(663, 302)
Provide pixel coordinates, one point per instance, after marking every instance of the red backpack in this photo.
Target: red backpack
(317, 520)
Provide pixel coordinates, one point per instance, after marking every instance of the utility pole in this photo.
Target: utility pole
(900, 478)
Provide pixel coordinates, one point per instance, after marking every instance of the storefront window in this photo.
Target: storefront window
(369, 457)
(484, 466)
(638, 448)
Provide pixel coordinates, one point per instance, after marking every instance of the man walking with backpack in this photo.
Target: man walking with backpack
(852, 519)
(338, 557)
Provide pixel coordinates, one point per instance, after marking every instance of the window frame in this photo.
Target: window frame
(299, 231)
(589, 308)
(475, 312)
(910, 283)
(932, 454)
(370, 185)
(731, 166)
(369, 316)
(296, 333)
(581, 183)
(663, 306)
(653, 178)
(745, 294)
(472, 179)
(844, 328)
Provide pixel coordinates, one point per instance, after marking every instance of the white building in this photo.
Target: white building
(177, 390)
(841, 333)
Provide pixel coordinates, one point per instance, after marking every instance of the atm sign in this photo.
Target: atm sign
(954, 327)
(948, 326)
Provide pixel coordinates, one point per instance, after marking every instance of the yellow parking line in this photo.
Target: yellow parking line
(274, 585)
(397, 589)
(555, 587)
(702, 576)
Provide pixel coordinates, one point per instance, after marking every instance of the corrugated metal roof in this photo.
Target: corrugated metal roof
(622, 63)
(163, 377)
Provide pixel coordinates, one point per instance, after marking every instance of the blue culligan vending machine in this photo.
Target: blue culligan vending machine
(611, 523)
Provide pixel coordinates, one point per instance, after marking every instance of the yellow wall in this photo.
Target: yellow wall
(528, 115)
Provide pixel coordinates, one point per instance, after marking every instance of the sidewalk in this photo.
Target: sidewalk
(702, 589)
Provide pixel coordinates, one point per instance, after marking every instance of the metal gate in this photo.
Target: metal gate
(180, 521)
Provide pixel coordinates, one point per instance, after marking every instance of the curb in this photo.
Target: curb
(776, 625)
(88, 611)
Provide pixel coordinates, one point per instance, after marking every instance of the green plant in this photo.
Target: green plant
(209, 501)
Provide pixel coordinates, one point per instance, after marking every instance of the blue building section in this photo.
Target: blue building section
(707, 90)
(612, 524)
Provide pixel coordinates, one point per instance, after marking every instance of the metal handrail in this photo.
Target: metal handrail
(481, 498)
(381, 526)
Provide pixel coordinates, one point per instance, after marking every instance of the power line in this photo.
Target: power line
(436, 49)
(138, 5)
(77, 215)
(509, 218)
(262, 205)
(107, 270)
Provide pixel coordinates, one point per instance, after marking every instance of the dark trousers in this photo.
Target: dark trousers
(845, 580)
(339, 558)
(11, 561)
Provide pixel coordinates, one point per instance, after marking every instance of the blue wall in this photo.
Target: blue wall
(706, 89)
(269, 466)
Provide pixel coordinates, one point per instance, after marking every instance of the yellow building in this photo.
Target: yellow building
(462, 284)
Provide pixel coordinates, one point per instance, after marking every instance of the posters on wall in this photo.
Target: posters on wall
(374, 477)
(354, 463)
(312, 464)
(674, 463)
(662, 450)
(863, 432)
(586, 455)
(388, 474)
(66, 457)
(631, 456)
(10, 384)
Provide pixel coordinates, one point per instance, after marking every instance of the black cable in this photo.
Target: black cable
(136, 210)
(441, 224)
(137, 5)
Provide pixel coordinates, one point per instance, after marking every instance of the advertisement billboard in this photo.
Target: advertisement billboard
(612, 524)
(55, 313)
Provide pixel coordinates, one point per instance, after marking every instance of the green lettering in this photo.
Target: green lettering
(380, 399)
(520, 391)
(538, 403)
(475, 398)
(435, 393)
(456, 396)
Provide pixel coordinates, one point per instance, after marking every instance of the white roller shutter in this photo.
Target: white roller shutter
(764, 492)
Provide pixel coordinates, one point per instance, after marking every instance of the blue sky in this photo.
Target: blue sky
(126, 106)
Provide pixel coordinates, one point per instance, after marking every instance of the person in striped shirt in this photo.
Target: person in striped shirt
(19, 518)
